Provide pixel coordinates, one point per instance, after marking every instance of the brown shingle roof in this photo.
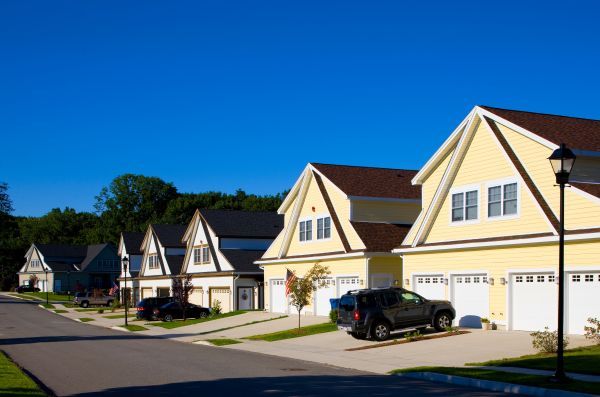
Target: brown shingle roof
(370, 181)
(380, 237)
(576, 133)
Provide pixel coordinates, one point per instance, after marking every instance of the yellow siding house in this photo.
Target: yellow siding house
(348, 219)
(487, 237)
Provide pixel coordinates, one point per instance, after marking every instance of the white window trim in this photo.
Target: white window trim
(501, 183)
(463, 190)
(313, 229)
(316, 222)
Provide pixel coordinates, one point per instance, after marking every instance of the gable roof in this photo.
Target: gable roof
(255, 224)
(380, 237)
(133, 242)
(359, 181)
(93, 251)
(76, 252)
(170, 235)
(575, 132)
(243, 260)
(62, 257)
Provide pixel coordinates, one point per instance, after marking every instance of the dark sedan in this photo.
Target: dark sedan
(27, 288)
(174, 310)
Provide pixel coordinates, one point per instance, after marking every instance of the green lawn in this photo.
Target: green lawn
(223, 342)
(584, 360)
(133, 327)
(90, 309)
(293, 333)
(86, 319)
(181, 323)
(113, 316)
(29, 298)
(241, 325)
(47, 305)
(13, 382)
(519, 379)
(61, 311)
(51, 296)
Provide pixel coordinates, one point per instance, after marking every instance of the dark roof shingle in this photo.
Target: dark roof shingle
(380, 237)
(62, 251)
(170, 235)
(175, 262)
(371, 182)
(242, 260)
(254, 224)
(133, 242)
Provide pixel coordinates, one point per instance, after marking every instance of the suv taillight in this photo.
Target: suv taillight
(356, 315)
(156, 311)
(140, 309)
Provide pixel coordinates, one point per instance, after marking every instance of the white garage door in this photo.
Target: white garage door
(533, 301)
(322, 297)
(146, 293)
(196, 296)
(345, 284)
(277, 296)
(582, 300)
(430, 286)
(470, 297)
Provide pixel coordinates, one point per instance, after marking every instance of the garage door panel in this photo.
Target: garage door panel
(470, 297)
(345, 284)
(222, 295)
(322, 297)
(534, 301)
(196, 297)
(146, 293)
(430, 286)
(277, 296)
(582, 300)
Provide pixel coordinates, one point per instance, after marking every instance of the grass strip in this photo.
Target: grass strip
(90, 309)
(113, 316)
(28, 298)
(59, 311)
(241, 325)
(223, 342)
(14, 382)
(499, 376)
(47, 305)
(86, 319)
(295, 333)
(583, 360)
(133, 327)
(181, 323)
(51, 296)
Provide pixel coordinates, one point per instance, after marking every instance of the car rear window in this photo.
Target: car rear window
(366, 301)
(347, 303)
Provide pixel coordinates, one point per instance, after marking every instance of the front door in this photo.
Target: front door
(245, 295)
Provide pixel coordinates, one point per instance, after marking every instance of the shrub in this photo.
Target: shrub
(100, 311)
(116, 304)
(216, 308)
(414, 336)
(592, 331)
(485, 320)
(333, 316)
(547, 341)
(452, 330)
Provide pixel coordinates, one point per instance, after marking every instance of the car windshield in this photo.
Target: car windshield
(347, 303)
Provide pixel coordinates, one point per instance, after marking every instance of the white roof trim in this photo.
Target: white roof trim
(290, 227)
(289, 199)
(309, 258)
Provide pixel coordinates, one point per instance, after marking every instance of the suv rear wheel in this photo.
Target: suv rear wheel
(168, 318)
(85, 304)
(380, 331)
(442, 321)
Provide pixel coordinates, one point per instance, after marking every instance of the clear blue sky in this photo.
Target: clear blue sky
(220, 95)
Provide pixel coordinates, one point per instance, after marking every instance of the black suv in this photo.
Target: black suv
(375, 313)
(145, 308)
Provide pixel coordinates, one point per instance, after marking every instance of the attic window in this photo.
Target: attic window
(305, 230)
(465, 206)
(153, 261)
(35, 263)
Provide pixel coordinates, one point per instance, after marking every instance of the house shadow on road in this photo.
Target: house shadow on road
(347, 386)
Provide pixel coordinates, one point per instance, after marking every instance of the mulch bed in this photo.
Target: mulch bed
(402, 341)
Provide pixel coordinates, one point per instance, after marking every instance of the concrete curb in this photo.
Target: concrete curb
(116, 328)
(203, 342)
(492, 385)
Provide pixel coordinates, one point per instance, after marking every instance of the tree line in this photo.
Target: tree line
(129, 203)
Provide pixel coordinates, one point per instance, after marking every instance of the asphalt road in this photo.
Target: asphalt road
(72, 358)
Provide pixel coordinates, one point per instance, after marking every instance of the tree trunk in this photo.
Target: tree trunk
(299, 310)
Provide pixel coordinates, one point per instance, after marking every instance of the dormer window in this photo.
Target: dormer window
(35, 263)
(305, 230)
(153, 261)
(465, 206)
(202, 254)
(323, 228)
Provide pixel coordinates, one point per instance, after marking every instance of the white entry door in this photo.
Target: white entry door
(245, 298)
(533, 301)
(277, 296)
(470, 297)
(582, 300)
(430, 286)
(345, 284)
(323, 296)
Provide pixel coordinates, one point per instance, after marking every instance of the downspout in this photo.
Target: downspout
(367, 260)
(234, 294)
(402, 270)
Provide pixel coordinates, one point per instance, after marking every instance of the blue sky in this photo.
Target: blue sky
(220, 95)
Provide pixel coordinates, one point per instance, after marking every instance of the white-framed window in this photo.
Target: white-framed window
(35, 263)
(201, 254)
(205, 254)
(551, 278)
(529, 279)
(305, 230)
(153, 261)
(465, 206)
(519, 279)
(589, 277)
(576, 278)
(323, 228)
(503, 199)
(197, 255)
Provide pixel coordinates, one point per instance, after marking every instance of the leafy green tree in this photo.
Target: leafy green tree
(301, 289)
(5, 201)
(131, 202)
(10, 249)
(59, 227)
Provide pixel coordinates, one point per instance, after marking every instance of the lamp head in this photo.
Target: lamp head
(562, 160)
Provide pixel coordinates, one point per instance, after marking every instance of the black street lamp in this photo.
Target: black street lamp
(46, 284)
(125, 261)
(69, 284)
(562, 160)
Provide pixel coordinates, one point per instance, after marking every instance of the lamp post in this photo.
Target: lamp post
(125, 263)
(562, 160)
(69, 284)
(46, 284)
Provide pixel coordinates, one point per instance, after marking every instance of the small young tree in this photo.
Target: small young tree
(33, 280)
(182, 288)
(301, 289)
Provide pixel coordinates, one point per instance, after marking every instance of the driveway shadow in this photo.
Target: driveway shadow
(347, 386)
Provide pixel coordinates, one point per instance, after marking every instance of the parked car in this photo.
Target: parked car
(375, 313)
(27, 288)
(145, 307)
(174, 310)
(86, 299)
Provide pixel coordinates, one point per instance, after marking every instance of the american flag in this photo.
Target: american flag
(289, 280)
(114, 289)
